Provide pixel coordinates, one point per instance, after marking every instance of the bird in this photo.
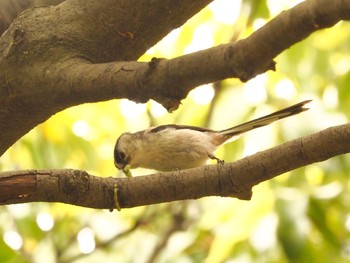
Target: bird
(176, 147)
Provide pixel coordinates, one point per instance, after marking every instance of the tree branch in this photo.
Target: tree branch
(230, 179)
(52, 58)
(46, 44)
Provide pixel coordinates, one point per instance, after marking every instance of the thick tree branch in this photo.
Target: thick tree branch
(52, 58)
(231, 179)
(43, 44)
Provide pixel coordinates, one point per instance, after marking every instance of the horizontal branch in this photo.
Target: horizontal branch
(230, 179)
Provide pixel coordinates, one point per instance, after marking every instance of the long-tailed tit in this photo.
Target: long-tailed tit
(173, 147)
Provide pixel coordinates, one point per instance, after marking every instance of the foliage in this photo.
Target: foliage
(302, 216)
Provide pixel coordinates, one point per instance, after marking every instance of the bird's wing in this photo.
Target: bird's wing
(178, 127)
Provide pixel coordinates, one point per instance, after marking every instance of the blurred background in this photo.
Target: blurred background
(300, 216)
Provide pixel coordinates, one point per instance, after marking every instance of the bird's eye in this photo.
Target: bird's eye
(120, 157)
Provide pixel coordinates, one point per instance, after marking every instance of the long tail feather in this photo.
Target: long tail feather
(265, 120)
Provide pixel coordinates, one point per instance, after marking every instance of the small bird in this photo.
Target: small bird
(176, 147)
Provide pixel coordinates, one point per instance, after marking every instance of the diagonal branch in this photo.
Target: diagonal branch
(231, 179)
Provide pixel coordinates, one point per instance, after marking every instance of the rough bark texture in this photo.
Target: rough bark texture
(9, 9)
(229, 179)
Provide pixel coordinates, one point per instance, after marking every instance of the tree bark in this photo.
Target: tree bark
(9, 9)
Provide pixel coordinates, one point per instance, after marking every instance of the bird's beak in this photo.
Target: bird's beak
(124, 167)
(119, 166)
(127, 171)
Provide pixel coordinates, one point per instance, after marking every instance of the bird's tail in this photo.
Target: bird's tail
(265, 120)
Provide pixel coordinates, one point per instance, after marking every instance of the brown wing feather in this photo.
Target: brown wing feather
(178, 127)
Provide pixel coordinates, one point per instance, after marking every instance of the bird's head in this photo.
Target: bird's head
(123, 151)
